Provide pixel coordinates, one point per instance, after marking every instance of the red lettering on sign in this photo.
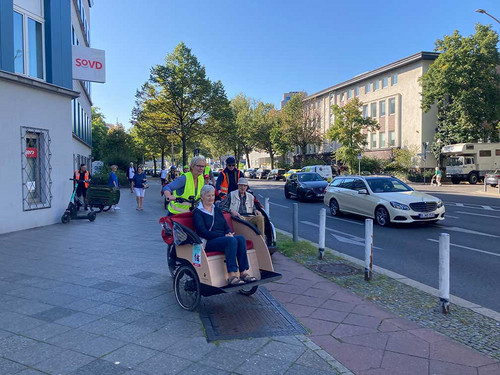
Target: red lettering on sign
(31, 152)
(88, 63)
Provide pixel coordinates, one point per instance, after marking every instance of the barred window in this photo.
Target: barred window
(36, 168)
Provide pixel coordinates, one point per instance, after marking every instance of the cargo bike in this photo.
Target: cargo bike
(102, 197)
(198, 273)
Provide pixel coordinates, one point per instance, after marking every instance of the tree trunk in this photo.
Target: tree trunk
(162, 157)
(271, 155)
(248, 158)
(184, 155)
(154, 163)
(303, 150)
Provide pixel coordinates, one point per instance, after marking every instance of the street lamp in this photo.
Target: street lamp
(482, 11)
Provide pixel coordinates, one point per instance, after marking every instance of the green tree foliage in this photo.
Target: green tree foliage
(404, 158)
(118, 147)
(347, 130)
(243, 109)
(265, 120)
(180, 94)
(300, 125)
(99, 131)
(464, 83)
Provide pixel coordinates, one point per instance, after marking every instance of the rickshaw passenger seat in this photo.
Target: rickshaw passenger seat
(186, 219)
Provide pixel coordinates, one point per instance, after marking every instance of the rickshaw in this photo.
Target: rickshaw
(102, 197)
(198, 273)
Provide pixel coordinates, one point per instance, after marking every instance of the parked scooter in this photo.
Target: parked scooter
(71, 213)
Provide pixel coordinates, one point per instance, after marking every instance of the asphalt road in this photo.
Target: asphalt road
(472, 221)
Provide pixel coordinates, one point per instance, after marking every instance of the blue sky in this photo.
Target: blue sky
(264, 48)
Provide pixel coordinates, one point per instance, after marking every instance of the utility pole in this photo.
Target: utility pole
(482, 11)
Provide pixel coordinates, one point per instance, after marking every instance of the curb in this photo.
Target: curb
(325, 355)
(410, 282)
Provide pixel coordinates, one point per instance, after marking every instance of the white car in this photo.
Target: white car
(383, 198)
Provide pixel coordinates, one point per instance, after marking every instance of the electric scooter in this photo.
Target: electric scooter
(71, 213)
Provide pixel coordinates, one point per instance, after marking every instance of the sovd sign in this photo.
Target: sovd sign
(89, 64)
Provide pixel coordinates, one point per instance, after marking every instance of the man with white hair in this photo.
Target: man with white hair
(240, 203)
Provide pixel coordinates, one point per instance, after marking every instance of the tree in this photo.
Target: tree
(347, 129)
(118, 147)
(300, 125)
(404, 158)
(464, 83)
(265, 119)
(182, 94)
(243, 114)
(99, 131)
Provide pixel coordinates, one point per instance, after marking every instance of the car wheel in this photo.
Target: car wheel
(334, 207)
(493, 185)
(382, 216)
(455, 181)
(473, 178)
(300, 196)
(287, 194)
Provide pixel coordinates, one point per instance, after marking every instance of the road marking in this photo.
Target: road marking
(488, 208)
(467, 248)
(459, 204)
(347, 221)
(468, 213)
(260, 195)
(347, 240)
(452, 217)
(279, 205)
(463, 230)
(477, 206)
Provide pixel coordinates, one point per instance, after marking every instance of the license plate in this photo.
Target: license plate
(320, 195)
(426, 215)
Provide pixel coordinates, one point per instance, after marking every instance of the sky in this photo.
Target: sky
(264, 48)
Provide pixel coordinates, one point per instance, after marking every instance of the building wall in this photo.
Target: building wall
(23, 105)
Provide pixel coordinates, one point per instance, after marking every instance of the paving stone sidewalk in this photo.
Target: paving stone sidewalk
(96, 298)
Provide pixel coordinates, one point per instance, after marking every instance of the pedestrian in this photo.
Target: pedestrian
(186, 186)
(139, 186)
(185, 169)
(163, 175)
(113, 182)
(130, 175)
(172, 175)
(438, 175)
(211, 226)
(241, 204)
(83, 177)
(227, 181)
(211, 178)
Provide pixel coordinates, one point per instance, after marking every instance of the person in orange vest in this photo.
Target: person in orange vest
(228, 178)
(83, 177)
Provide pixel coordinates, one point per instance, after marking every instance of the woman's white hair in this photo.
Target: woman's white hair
(206, 189)
(195, 160)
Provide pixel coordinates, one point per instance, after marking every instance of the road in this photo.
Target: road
(473, 223)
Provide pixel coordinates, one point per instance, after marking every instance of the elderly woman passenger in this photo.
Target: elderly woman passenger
(210, 224)
(187, 185)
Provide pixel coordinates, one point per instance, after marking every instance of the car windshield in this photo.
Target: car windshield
(454, 161)
(305, 177)
(387, 185)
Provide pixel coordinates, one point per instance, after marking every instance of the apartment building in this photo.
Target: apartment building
(43, 128)
(390, 94)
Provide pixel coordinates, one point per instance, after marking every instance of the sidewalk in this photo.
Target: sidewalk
(96, 298)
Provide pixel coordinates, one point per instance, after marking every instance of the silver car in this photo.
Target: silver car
(492, 177)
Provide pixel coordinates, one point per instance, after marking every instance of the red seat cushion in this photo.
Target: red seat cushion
(249, 244)
(212, 253)
(185, 219)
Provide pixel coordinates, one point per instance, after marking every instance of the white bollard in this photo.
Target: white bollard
(266, 206)
(295, 228)
(368, 249)
(322, 229)
(444, 272)
(498, 185)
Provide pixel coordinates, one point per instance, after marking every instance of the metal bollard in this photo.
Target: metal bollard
(295, 230)
(368, 249)
(266, 206)
(322, 226)
(444, 273)
(485, 186)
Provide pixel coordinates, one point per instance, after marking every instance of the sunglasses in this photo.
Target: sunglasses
(231, 165)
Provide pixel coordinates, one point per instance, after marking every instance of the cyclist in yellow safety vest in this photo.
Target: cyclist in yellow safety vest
(187, 185)
(208, 172)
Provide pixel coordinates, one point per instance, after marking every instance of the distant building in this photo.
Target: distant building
(390, 94)
(288, 95)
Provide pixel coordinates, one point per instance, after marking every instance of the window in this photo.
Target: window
(374, 140)
(394, 79)
(381, 140)
(373, 108)
(28, 46)
(349, 94)
(358, 185)
(356, 91)
(36, 168)
(484, 153)
(392, 138)
(469, 147)
(337, 182)
(367, 88)
(342, 97)
(376, 85)
(381, 106)
(392, 106)
(365, 111)
(385, 82)
(347, 183)
(497, 152)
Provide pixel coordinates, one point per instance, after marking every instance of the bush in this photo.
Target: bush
(372, 165)
(102, 177)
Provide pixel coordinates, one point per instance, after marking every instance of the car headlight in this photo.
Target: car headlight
(400, 206)
(440, 204)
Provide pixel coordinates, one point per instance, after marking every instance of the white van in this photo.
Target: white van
(324, 171)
